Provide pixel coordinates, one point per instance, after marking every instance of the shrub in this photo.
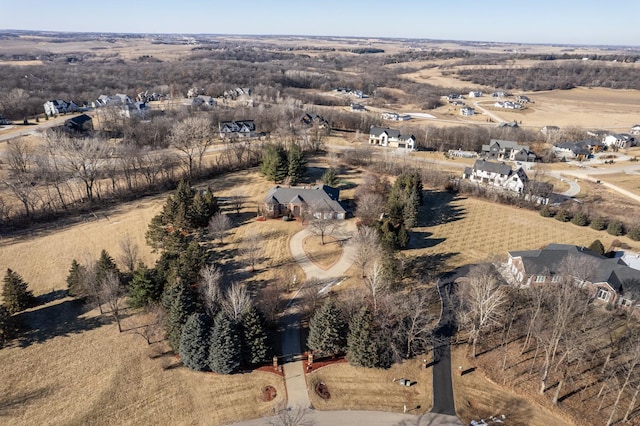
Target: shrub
(597, 247)
(634, 233)
(563, 215)
(580, 219)
(546, 212)
(598, 223)
(615, 227)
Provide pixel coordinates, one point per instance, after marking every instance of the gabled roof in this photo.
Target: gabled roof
(507, 144)
(392, 133)
(79, 120)
(320, 197)
(548, 260)
(237, 126)
(492, 167)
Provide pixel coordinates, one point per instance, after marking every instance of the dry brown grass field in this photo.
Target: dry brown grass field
(83, 371)
(477, 397)
(356, 388)
(323, 255)
(126, 386)
(468, 230)
(630, 182)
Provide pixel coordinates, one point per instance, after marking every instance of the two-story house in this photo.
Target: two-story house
(608, 280)
(392, 138)
(503, 150)
(497, 174)
(240, 128)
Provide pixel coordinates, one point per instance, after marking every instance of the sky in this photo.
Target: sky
(586, 22)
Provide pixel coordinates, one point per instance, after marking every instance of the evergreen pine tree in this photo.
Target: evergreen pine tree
(224, 349)
(194, 342)
(361, 348)
(255, 343)
(205, 205)
(104, 265)
(189, 263)
(7, 326)
(143, 287)
(179, 303)
(15, 294)
(327, 331)
(329, 177)
(297, 164)
(274, 163)
(75, 280)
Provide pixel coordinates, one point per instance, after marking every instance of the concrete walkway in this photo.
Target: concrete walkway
(294, 374)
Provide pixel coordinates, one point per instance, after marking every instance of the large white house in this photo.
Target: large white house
(619, 140)
(58, 106)
(497, 174)
(392, 138)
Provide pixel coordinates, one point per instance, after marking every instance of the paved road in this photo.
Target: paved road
(477, 105)
(443, 400)
(363, 418)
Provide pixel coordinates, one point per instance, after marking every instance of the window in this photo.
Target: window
(556, 279)
(603, 294)
(540, 278)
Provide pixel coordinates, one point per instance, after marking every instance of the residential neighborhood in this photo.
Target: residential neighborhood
(249, 229)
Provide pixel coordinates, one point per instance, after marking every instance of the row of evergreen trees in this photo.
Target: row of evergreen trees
(373, 339)
(280, 164)
(223, 345)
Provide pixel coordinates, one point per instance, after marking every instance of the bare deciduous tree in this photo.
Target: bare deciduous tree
(251, 249)
(192, 136)
(323, 225)
(237, 300)
(366, 248)
(419, 322)
(377, 284)
(482, 302)
(20, 156)
(627, 370)
(236, 200)
(150, 325)
(211, 288)
(370, 207)
(219, 224)
(129, 253)
(111, 295)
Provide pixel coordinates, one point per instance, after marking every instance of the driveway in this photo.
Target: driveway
(362, 418)
(338, 269)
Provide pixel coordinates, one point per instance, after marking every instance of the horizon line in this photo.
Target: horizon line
(5, 30)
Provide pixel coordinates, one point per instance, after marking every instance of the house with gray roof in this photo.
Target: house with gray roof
(240, 128)
(619, 140)
(609, 280)
(571, 150)
(497, 174)
(319, 201)
(503, 150)
(392, 138)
